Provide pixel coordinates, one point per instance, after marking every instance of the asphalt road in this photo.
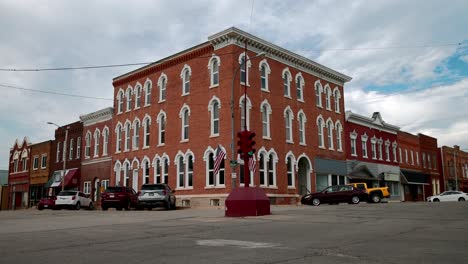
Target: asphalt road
(364, 233)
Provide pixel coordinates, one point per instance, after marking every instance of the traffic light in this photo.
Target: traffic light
(251, 143)
(246, 143)
(240, 144)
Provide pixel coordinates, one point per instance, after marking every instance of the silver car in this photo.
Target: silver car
(156, 195)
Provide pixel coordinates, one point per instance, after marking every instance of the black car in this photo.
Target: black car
(334, 195)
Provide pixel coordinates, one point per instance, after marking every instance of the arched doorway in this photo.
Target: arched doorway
(303, 174)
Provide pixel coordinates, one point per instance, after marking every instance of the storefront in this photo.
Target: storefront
(413, 184)
(71, 180)
(329, 172)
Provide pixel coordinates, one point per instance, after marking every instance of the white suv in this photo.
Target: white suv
(74, 200)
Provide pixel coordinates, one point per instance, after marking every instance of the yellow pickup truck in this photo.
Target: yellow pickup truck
(375, 194)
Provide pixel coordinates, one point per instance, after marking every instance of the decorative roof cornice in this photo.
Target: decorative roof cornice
(235, 36)
(97, 117)
(375, 121)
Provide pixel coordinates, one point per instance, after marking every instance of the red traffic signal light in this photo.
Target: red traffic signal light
(251, 144)
(246, 143)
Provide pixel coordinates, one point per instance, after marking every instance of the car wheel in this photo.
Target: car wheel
(436, 200)
(316, 202)
(461, 199)
(173, 207)
(91, 206)
(375, 198)
(104, 208)
(355, 200)
(77, 206)
(127, 208)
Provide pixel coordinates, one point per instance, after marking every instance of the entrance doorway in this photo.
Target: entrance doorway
(303, 175)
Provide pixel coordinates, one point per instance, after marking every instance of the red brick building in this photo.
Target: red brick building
(371, 146)
(171, 116)
(68, 151)
(39, 172)
(96, 166)
(18, 174)
(418, 164)
(454, 163)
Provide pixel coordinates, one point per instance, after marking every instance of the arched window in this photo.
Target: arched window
(328, 95)
(300, 87)
(337, 96)
(265, 108)
(70, 152)
(105, 141)
(165, 171)
(245, 122)
(129, 95)
(162, 128)
(146, 171)
(148, 87)
(180, 172)
(162, 84)
(213, 107)
(137, 96)
(320, 126)
(264, 73)
(318, 94)
(97, 136)
(213, 159)
(288, 117)
(126, 181)
(184, 117)
(244, 74)
(117, 170)
(286, 75)
(88, 145)
(78, 147)
(146, 131)
(339, 131)
(301, 118)
(118, 138)
(127, 136)
(57, 157)
(268, 162)
(330, 134)
(157, 170)
(136, 134)
(185, 76)
(120, 101)
(213, 66)
(290, 162)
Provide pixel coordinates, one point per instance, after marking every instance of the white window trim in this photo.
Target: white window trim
(249, 65)
(302, 133)
(266, 104)
(128, 94)
(97, 135)
(148, 84)
(36, 157)
(161, 115)
(380, 143)
(162, 78)
(337, 97)
(105, 141)
(328, 95)
(288, 82)
(364, 146)
(118, 131)
(374, 147)
(184, 108)
(353, 136)
(182, 77)
(136, 134)
(217, 177)
(120, 101)
(289, 113)
(387, 150)
(320, 136)
(146, 130)
(214, 100)
(301, 88)
(264, 62)
(249, 107)
(293, 165)
(266, 159)
(138, 87)
(42, 158)
(330, 128)
(210, 68)
(339, 135)
(318, 88)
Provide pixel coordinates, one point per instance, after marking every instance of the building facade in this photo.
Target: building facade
(172, 116)
(39, 172)
(18, 174)
(69, 153)
(371, 146)
(454, 163)
(96, 165)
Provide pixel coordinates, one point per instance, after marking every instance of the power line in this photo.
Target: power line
(397, 47)
(55, 93)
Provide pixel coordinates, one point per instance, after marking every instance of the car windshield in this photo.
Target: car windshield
(114, 189)
(153, 187)
(67, 193)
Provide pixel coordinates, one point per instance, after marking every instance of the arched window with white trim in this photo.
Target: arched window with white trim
(288, 118)
(300, 87)
(213, 107)
(148, 88)
(210, 158)
(127, 135)
(265, 108)
(137, 96)
(129, 95)
(162, 84)
(71, 149)
(290, 163)
(286, 76)
(267, 164)
(136, 134)
(245, 122)
(213, 67)
(146, 170)
(339, 132)
(105, 141)
(318, 93)
(118, 138)
(185, 76)
(120, 101)
(264, 75)
(320, 126)
(97, 136)
(146, 131)
(301, 118)
(117, 170)
(330, 128)
(88, 145)
(161, 120)
(328, 95)
(244, 75)
(337, 97)
(184, 115)
(165, 170)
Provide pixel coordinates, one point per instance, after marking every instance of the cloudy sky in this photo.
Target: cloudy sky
(408, 59)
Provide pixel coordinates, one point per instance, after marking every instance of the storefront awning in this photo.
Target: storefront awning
(361, 177)
(71, 179)
(413, 177)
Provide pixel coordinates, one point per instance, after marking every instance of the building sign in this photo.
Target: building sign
(391, 177)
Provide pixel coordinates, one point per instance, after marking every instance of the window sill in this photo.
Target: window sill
(321, 147)
(136, 108)
(243, 185)
(95, 156)
(161, 145)
(287, 96)
(183, 95)
(267, 138)
(35, 168)
(269, 187)
(43, 167)
(214, 136)
(87, 157)
(354, 155)
(183, 188)
(265, 90)
(248, 85)
(214, 86)
(289, 141)
(161, 101)
(134, 149)
(215, 187)
(291, 188)
(329, 109)
(338, 112)
(118, 152)
(146, 105)
(331, 149)
(127, 111)
(127, 150)
(303, 144)
(340, 150)
(184, 141)
(301, 100)
(145, 147)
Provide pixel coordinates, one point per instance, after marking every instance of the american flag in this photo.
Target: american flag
(252, 166)
(220, 154)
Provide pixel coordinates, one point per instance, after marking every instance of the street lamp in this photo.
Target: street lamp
(64, 152)
(233, 157)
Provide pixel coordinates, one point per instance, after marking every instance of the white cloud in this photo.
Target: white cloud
(464, 58)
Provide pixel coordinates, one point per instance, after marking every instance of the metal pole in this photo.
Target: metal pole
(455, 169)
(64, 158)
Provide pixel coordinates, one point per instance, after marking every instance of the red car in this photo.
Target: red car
(334, 195)
(119, 197)
(47, 203)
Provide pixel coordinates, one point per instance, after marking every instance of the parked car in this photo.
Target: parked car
(47, 203)
(335, 194)
(375, 195)
(73, 200)
(449, 196)
(118, 197)
(156, 195)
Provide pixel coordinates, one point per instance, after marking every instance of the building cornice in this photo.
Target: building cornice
(235, 36)
(97, 117)
(375, 122)
(97, 160)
